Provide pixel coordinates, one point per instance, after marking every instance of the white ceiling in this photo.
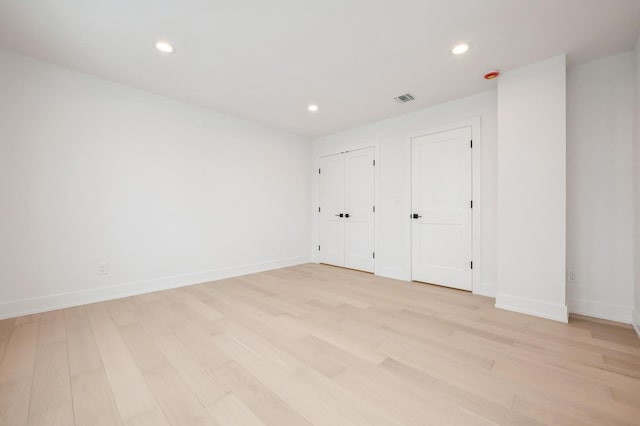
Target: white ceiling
(267, 60)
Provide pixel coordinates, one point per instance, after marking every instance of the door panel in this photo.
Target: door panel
(332, 191)
(441, 195)
(360, 198)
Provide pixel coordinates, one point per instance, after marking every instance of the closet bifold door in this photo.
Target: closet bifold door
(332, 199)
(359, 209)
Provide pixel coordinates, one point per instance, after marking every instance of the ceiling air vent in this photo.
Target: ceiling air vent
(404, 98)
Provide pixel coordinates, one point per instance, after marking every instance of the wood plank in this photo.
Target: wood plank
(144, 351)
(75, 317)
(130, 391)
(62, 415)
(297, 395)
(176, 400)
(154, 417)
(203, 310)
(93, 402)
(6, 327)
(14, 402)
(51, 381)
(197, 371)
(120, 313)
(231, 411)
(313, 344)
(83, 352)
(52, 328)
(20, 355)
(271, 409)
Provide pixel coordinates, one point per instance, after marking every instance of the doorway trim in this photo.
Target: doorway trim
(476, 189)
(315, 237)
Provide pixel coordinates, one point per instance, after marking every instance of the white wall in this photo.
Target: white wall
(600, 243)
(170, 194)
(599, 162)
(532, 189)
(391, 137)
(636, 311)
(167, 193)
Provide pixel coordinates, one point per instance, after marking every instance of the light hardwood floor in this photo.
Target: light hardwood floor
(313, 344)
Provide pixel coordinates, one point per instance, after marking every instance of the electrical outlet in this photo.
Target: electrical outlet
(571, 276)
(103, 268)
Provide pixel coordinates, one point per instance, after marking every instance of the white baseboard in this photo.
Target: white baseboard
(635, 321)
(485, 289)
(52, 302)
(596, 309)
(392, 272)
(538, 308)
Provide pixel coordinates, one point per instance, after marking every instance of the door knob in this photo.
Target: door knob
(415, 216)
(340, 215)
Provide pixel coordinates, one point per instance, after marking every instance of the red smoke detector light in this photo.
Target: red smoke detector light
(491, 75)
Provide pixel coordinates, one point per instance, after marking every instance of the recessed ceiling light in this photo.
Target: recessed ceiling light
(460, 49)
(312, 107)
(164, 47)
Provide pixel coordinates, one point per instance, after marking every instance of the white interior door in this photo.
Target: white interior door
(359, 209)
(332, 193)
(441, 203)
